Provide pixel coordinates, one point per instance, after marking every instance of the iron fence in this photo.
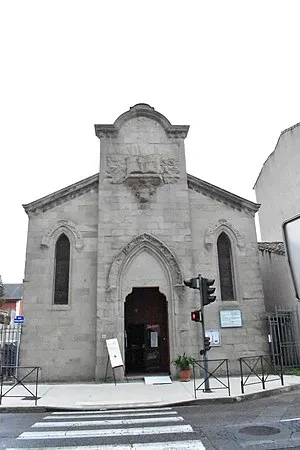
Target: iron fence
(218, 367)
(18, 375)
(260, 369)
(10, 338)
(284, 337)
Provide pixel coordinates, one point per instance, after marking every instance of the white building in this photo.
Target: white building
(277, 188)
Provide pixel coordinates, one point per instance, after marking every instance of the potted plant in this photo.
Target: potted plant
(184, 363)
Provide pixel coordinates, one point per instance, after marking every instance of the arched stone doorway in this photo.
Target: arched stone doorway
(146, 331)
(146, 263)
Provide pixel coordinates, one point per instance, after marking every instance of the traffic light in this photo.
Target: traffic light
(206, 343)
(196, 316)
(192, 283)
(207, 291)
(206, 346)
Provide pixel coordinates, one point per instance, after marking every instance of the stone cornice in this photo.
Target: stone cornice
(229, 199)
(81, 187)
(63, 195)
(142, 110)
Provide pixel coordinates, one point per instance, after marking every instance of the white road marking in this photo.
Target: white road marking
(90, 423)
(106, 411)
(93, 415)
(290, 420)
(175, 445)
(106, 432)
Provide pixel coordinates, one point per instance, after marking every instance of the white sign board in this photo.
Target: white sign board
(230, 318)
(114, 353)
(154, 339)
(214, 335)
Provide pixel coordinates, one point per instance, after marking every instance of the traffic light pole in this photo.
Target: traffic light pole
(205, 360)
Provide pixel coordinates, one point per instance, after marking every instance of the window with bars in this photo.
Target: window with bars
(62, 267)
(225, 267)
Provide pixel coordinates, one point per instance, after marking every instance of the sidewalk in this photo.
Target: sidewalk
(135, 394)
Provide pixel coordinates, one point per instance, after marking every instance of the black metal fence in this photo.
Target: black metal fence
(260, 370)
(212, 372)
(284, 337)
(253, 370)
(18, 375)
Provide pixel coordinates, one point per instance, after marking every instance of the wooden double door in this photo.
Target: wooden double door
(146, 332)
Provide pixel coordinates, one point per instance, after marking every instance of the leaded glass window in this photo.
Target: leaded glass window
(225, 267)
(62, 267)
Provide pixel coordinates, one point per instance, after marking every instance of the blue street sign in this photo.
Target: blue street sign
(19, 319)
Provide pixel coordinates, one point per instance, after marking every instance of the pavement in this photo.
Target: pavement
(136, 393)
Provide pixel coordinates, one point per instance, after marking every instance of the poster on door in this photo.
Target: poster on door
(114, 353)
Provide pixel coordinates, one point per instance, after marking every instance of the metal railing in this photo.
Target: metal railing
(283, 327)
(259, 370)
(10, 337)
(220, 365)
(14, 376)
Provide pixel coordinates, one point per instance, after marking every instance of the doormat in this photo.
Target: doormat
(158, 380)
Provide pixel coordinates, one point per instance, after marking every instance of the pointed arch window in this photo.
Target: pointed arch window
(62, 268)
(225, 267)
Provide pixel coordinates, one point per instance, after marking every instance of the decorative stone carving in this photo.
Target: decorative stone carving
(143, 174)
(119, 168)
(212, 231)
(147, 241)
(61, 226)
(115, 169)
(144, 188)
(170, 169)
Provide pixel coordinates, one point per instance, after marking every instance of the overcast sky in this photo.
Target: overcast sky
(229, 69)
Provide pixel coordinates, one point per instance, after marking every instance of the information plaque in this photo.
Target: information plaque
(230, 318)
(214, 335)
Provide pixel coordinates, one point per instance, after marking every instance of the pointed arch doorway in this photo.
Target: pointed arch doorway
(146, 332)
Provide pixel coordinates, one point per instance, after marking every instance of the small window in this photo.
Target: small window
(225, 267)
(62, 266)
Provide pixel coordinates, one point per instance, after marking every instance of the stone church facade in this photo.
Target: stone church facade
(106, 258)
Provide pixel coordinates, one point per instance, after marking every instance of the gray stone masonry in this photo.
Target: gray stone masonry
(141, 222)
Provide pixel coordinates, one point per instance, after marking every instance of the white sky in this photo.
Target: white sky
(229, 69)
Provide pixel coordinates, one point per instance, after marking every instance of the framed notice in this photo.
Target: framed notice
(114, 353)
(214, 335)
(230, 318)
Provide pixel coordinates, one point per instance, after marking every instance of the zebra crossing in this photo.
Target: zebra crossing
(134, 429)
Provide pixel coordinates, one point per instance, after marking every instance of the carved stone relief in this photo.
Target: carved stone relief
(143, 174)
(212, 231)
(60, 226)
(144, 188)
(115, 169)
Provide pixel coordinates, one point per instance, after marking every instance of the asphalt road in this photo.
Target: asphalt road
(264, 423)
(226, 426)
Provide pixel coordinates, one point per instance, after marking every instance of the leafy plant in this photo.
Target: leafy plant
(184, 362)
(292, 371)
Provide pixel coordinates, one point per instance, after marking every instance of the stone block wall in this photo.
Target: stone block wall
(209, 218)
(61, 339)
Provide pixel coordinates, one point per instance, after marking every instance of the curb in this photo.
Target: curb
(237, 398)
(193, 402)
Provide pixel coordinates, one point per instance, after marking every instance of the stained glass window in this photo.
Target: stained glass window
(225, 267)
(62, 266)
